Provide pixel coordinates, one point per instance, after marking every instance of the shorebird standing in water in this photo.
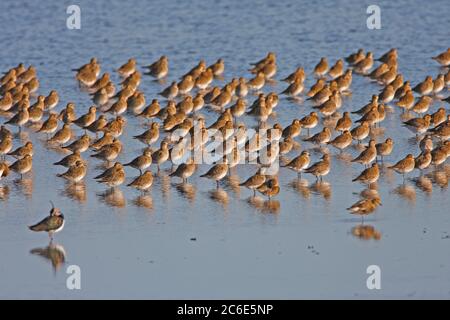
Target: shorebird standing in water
(52, 224)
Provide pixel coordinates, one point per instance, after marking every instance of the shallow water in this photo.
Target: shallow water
(300, 245)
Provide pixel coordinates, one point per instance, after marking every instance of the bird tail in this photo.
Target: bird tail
(37, 227)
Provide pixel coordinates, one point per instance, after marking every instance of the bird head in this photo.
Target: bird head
(54, 211)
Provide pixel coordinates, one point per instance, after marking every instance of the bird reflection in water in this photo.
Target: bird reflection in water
(301, 186)
(164, 180)
(263, 205)
(440, 178)
(220, 196)
(113, 197)
(25, 186)
(370, 192)
(54, 253)
(365, 232)
(322, 188)
(187, 191)
(4, 193)
(233, 183)
(143, 201)
(424, 184)
(75, 192)
(407, 192)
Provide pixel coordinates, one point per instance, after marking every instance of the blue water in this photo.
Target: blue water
(298, 246)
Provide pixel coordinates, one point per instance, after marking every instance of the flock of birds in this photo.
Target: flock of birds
(179, 128)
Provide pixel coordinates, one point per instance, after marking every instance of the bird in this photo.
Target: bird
(368, 155)
(321, 68)
(438, 117)
(438, 84)
(443, 58)
(423, 160)
(344, 123)
(161, 155)
(107, 138)
(365, 64)
(50, 125)
(369, 175)
(322, 137)
(22, 166)
(67, 115)
(386, 56)
(356, 57)
(113, 176)
(6, 146)
(387, 94)
(254, 181)
(184, 170)
(298, 74)
(51, 224)
(26, 149)
(75, 173)
(418, 125)
(158, 69)
(425, 87)
(320, 168)
(319, 85)
(361, 132)
(151, 110)
(365, 206)
(118, 107)
(299, 163)
(128, 68)
(6, 102)
(404, 166)
(385, 148)
(142, 182)
(149, 136)
(342, 141)
(110, 151)
(337, 69)
(51, 100)
(171, 91)
(217, 172)
(142, 162)
(36, 111)
(69, 160)
(218, 67)
(294, 89)
(293, 130)
(407, 101)
(20, 118)
(270, 187)
(422, 105)
(242, 88)
(98, 125)
(257, 82)
(87, 119)
(4, 170)
(81, 145)
(310, 121)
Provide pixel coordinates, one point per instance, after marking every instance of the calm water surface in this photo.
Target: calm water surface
(300, 245)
